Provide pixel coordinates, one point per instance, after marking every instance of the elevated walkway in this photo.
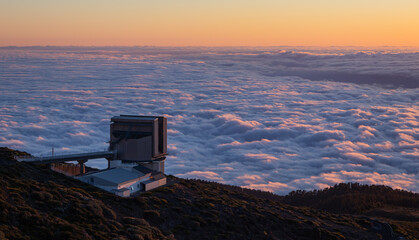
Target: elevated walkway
(69, 157)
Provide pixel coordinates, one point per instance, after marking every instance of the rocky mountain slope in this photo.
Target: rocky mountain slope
(37, 203)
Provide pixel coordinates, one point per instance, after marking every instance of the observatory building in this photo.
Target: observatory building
(136, 154)
(139, 147)
(139, 139)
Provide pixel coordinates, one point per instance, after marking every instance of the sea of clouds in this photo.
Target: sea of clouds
(275, 119)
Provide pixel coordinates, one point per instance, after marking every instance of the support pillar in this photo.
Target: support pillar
(109, 163)
(82, 166)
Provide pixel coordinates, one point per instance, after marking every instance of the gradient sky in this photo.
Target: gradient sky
(210, 23)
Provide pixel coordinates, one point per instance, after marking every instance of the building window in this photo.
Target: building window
(138, 186)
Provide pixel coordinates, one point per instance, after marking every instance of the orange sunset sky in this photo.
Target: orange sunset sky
(210, 23)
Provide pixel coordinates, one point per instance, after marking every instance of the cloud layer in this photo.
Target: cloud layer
(248, 117)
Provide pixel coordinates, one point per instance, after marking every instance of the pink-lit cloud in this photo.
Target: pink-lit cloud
(258, 118)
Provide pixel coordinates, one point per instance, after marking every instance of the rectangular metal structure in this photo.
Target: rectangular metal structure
(139, 138)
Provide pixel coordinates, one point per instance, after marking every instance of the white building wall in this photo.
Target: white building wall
(154, 184)
(106, 188)
(134, 186)
(123, 194)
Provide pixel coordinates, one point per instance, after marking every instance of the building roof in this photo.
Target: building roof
(118, 175)
(133, 118)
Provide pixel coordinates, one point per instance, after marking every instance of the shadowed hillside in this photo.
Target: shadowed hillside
(353, 198)
(397, 207)
(37, 203)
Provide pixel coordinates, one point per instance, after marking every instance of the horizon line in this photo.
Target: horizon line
(216, 46)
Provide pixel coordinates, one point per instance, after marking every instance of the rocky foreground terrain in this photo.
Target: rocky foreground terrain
(37, 203)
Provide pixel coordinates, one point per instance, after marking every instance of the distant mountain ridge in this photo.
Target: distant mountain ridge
(37, 203)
